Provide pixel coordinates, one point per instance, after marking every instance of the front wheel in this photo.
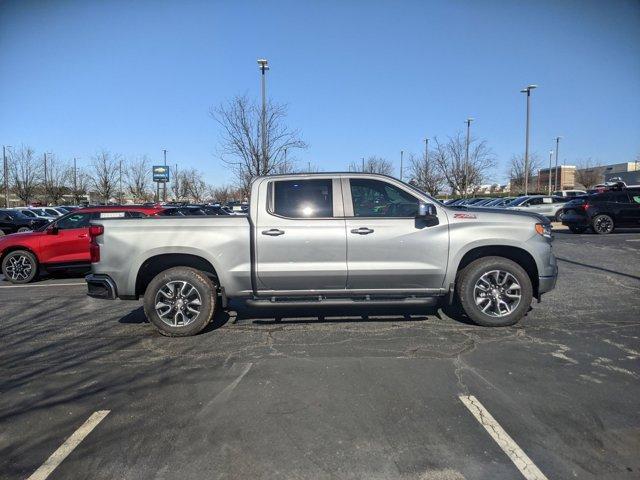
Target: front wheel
(20, 266)
(559, 215)
(602, 224)
(494, 291)
(180, 301)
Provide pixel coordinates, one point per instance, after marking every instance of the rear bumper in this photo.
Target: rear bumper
(101, 286)
(575, 220)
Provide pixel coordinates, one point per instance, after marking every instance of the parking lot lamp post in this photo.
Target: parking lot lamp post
(5, 172)
(46, 190)
(556, 172)
(466, 158)
(164, 184)
(363, 164)
(263, 65)
(401, 163)
(75, 182)
(550, 157)
(527, 90)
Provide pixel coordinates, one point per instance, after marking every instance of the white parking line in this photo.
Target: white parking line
(69, 445)
(43, 285)
(502, 438)
(634, 240)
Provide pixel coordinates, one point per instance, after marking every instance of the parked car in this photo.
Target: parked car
(33, 213)
(54, 211)
(550, 207)
(214, 210)
(499, 202)
(13, 221)
(313, 240)
(183, 211)
(42, 214)
(62, 244)
(569, 193)
(604, 212)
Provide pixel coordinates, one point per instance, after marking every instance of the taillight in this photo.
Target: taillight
(585, 206)
(96, 231)
(94, 249)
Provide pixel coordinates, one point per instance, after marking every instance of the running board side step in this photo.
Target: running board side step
(275, 302)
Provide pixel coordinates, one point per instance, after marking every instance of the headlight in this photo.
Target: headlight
(544, 229)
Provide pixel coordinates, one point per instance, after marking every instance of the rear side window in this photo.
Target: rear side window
(303, 198)
(75, 220)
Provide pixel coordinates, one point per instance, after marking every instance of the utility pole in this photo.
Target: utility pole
(263, 65)
(164, 184)
(5, 170)
(426, 160)
(557, 148)
(466, 157)
(120, 199)
(550, 156)
(401, 163)
(363, 164)
(46, 190)
(75, 182)
(527, 90)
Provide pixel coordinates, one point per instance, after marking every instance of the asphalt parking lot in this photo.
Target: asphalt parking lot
(350, 394)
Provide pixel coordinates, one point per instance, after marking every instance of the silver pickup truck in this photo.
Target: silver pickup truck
(326, 239)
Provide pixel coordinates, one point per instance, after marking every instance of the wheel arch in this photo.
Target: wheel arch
(519, 255)
(13, 248)
(155, 264)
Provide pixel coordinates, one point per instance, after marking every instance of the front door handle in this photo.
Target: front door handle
(273, 232)
(83, 235)
(362, 231)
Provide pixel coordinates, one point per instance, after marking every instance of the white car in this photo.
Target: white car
(549, 206)
(569, 193)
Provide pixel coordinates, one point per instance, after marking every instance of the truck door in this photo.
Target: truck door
(387, 246)
(300, 236)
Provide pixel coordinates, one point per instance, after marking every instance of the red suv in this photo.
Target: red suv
(63, 244)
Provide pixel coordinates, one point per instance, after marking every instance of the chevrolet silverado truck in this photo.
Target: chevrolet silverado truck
(312, 240)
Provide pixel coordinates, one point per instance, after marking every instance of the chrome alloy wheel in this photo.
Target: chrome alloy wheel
(497, 293)
(19, 267)
(178, 303)
(603, 224)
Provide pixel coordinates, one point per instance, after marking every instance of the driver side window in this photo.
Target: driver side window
(374, 198)
(75, 220)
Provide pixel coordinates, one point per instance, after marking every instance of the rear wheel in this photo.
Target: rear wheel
(494, 291)
(559, 215)
(20, 266)
(180, 301)
(602, 224)
(576, 229)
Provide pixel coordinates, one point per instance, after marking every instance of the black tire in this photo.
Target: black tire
(20, 266)
(559, 215)
(602, 224)
(576, 229)
(466, 286)
(24, 230)
(169, 281)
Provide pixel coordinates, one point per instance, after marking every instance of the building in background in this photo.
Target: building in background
(566, 178)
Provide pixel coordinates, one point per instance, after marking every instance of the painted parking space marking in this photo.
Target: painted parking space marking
(502, 438)
(69, 445)
(43, 285)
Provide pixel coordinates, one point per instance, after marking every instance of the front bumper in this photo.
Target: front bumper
(101, 286)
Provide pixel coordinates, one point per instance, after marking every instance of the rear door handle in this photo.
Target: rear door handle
(273, 232)
(362, 231)
(83, 235)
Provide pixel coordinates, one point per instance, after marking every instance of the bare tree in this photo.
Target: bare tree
(56, 183)
(241, 147)
(450, 157)
(78, 183)
(373, 164)
(517, 171)
(25, 173)
(588, 174)
(104, 177)
(138, 179)
(425, 174)
(193, 185)
(224, 194)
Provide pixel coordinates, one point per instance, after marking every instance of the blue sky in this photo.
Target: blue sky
(361, 77)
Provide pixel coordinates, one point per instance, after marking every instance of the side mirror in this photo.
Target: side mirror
(52, 230)
(426, 210)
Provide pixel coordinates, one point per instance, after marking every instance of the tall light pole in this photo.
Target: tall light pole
(120, 181)
(46, 190)
(550, 157)
(263, 65)
(466, 156)
(557, 148)
(363, 164)
(401, 163)
(426, 161)
(527, 90)
(164, 184)
(5, 172)
(75, 181)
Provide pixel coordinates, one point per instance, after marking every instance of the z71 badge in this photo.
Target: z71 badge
(464, 216)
